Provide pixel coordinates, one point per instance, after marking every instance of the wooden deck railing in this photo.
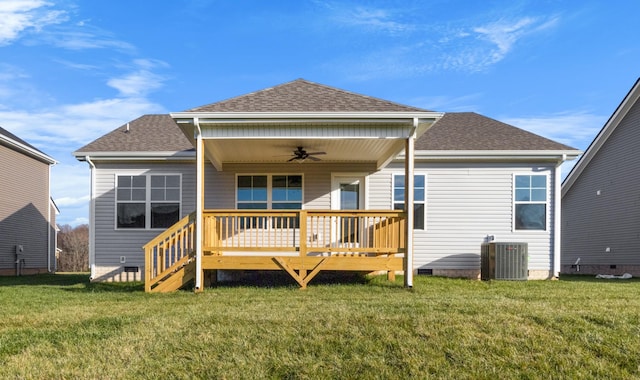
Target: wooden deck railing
(276, 233)
(307, 232)
(170, 250)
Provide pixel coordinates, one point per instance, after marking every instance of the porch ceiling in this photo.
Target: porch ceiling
(272, 137)
(281, 150)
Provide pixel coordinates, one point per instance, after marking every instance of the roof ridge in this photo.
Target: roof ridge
(345, 98)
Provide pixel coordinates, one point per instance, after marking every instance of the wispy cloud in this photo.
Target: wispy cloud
(504, 34)
(83, 37)
(75, 124)
(374, 19)
(427, 46)
(19, 16)
(368, 18)
(141, 80)
(573, 128)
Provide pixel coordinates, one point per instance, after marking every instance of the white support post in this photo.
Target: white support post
(199, 204)
(408, 206)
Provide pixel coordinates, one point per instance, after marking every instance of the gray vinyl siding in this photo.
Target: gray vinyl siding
(112, 243)
(465, 203)
(592, 222)
(316, 181)
(24, 206)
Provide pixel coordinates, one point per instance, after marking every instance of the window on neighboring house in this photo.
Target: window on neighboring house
(276, 192)
(147, 201)
(530, 202)
(419, 190)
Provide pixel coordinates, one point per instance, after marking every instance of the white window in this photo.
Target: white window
(147, 201)
(419, 190)
(530, 202)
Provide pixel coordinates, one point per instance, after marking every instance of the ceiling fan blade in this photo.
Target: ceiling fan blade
(293, 158)
(314, 158)
(316, 153)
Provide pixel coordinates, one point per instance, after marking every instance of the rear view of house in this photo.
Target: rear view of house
(601, 198)
(27, 213)
(304, 177)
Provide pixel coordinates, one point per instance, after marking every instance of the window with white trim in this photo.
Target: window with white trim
(147, 201)
(275, 192)
(419, 191)
(530, 202)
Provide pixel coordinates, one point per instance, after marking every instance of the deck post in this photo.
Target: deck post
(303, 241)
(199, 204)
(408, 205)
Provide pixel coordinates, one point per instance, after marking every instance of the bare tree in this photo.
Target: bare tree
(74, 245)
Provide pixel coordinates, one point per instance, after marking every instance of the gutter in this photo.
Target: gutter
(49, 226)
(521, 155)
(28, 150)
(557, 216)
(92, 234)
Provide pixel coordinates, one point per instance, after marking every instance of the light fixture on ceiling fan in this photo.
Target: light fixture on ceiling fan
(300, 155)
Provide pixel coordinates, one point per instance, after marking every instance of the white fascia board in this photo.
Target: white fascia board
(558, 155)
(136, 156)
(221, 118)
(28, 150)
(242, 116)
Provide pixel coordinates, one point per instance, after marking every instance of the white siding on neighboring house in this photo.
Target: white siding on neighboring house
(465, 203)
(602, 207)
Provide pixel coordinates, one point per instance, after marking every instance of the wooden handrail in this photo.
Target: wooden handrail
(168, 248)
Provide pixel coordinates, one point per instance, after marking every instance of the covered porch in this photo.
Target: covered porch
(303, 240)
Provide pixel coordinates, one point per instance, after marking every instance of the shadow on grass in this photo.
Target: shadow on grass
(79, 282)
(281, 279)
(75, 282)
(48, 279)
(592, 278)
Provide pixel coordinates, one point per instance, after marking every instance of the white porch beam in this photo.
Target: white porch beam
(199, 204)
(408, 206)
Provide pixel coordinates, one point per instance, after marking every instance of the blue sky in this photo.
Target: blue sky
(73, 70)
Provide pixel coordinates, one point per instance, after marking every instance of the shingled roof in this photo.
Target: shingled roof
(471, 131)
(455, 131)
(303, 96)
(148, 133)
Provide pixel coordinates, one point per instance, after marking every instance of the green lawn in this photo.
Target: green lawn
(61, 326)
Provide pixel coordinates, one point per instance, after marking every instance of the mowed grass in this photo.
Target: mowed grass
(62, 326)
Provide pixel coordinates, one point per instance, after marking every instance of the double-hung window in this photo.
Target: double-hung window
(419, 190)
(530, 202)
(147, 201)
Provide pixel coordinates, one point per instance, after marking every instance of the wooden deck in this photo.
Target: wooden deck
(300, 242)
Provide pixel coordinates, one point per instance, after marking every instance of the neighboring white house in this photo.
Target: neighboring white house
(27, 212)
(601, 198)
(474, 177)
